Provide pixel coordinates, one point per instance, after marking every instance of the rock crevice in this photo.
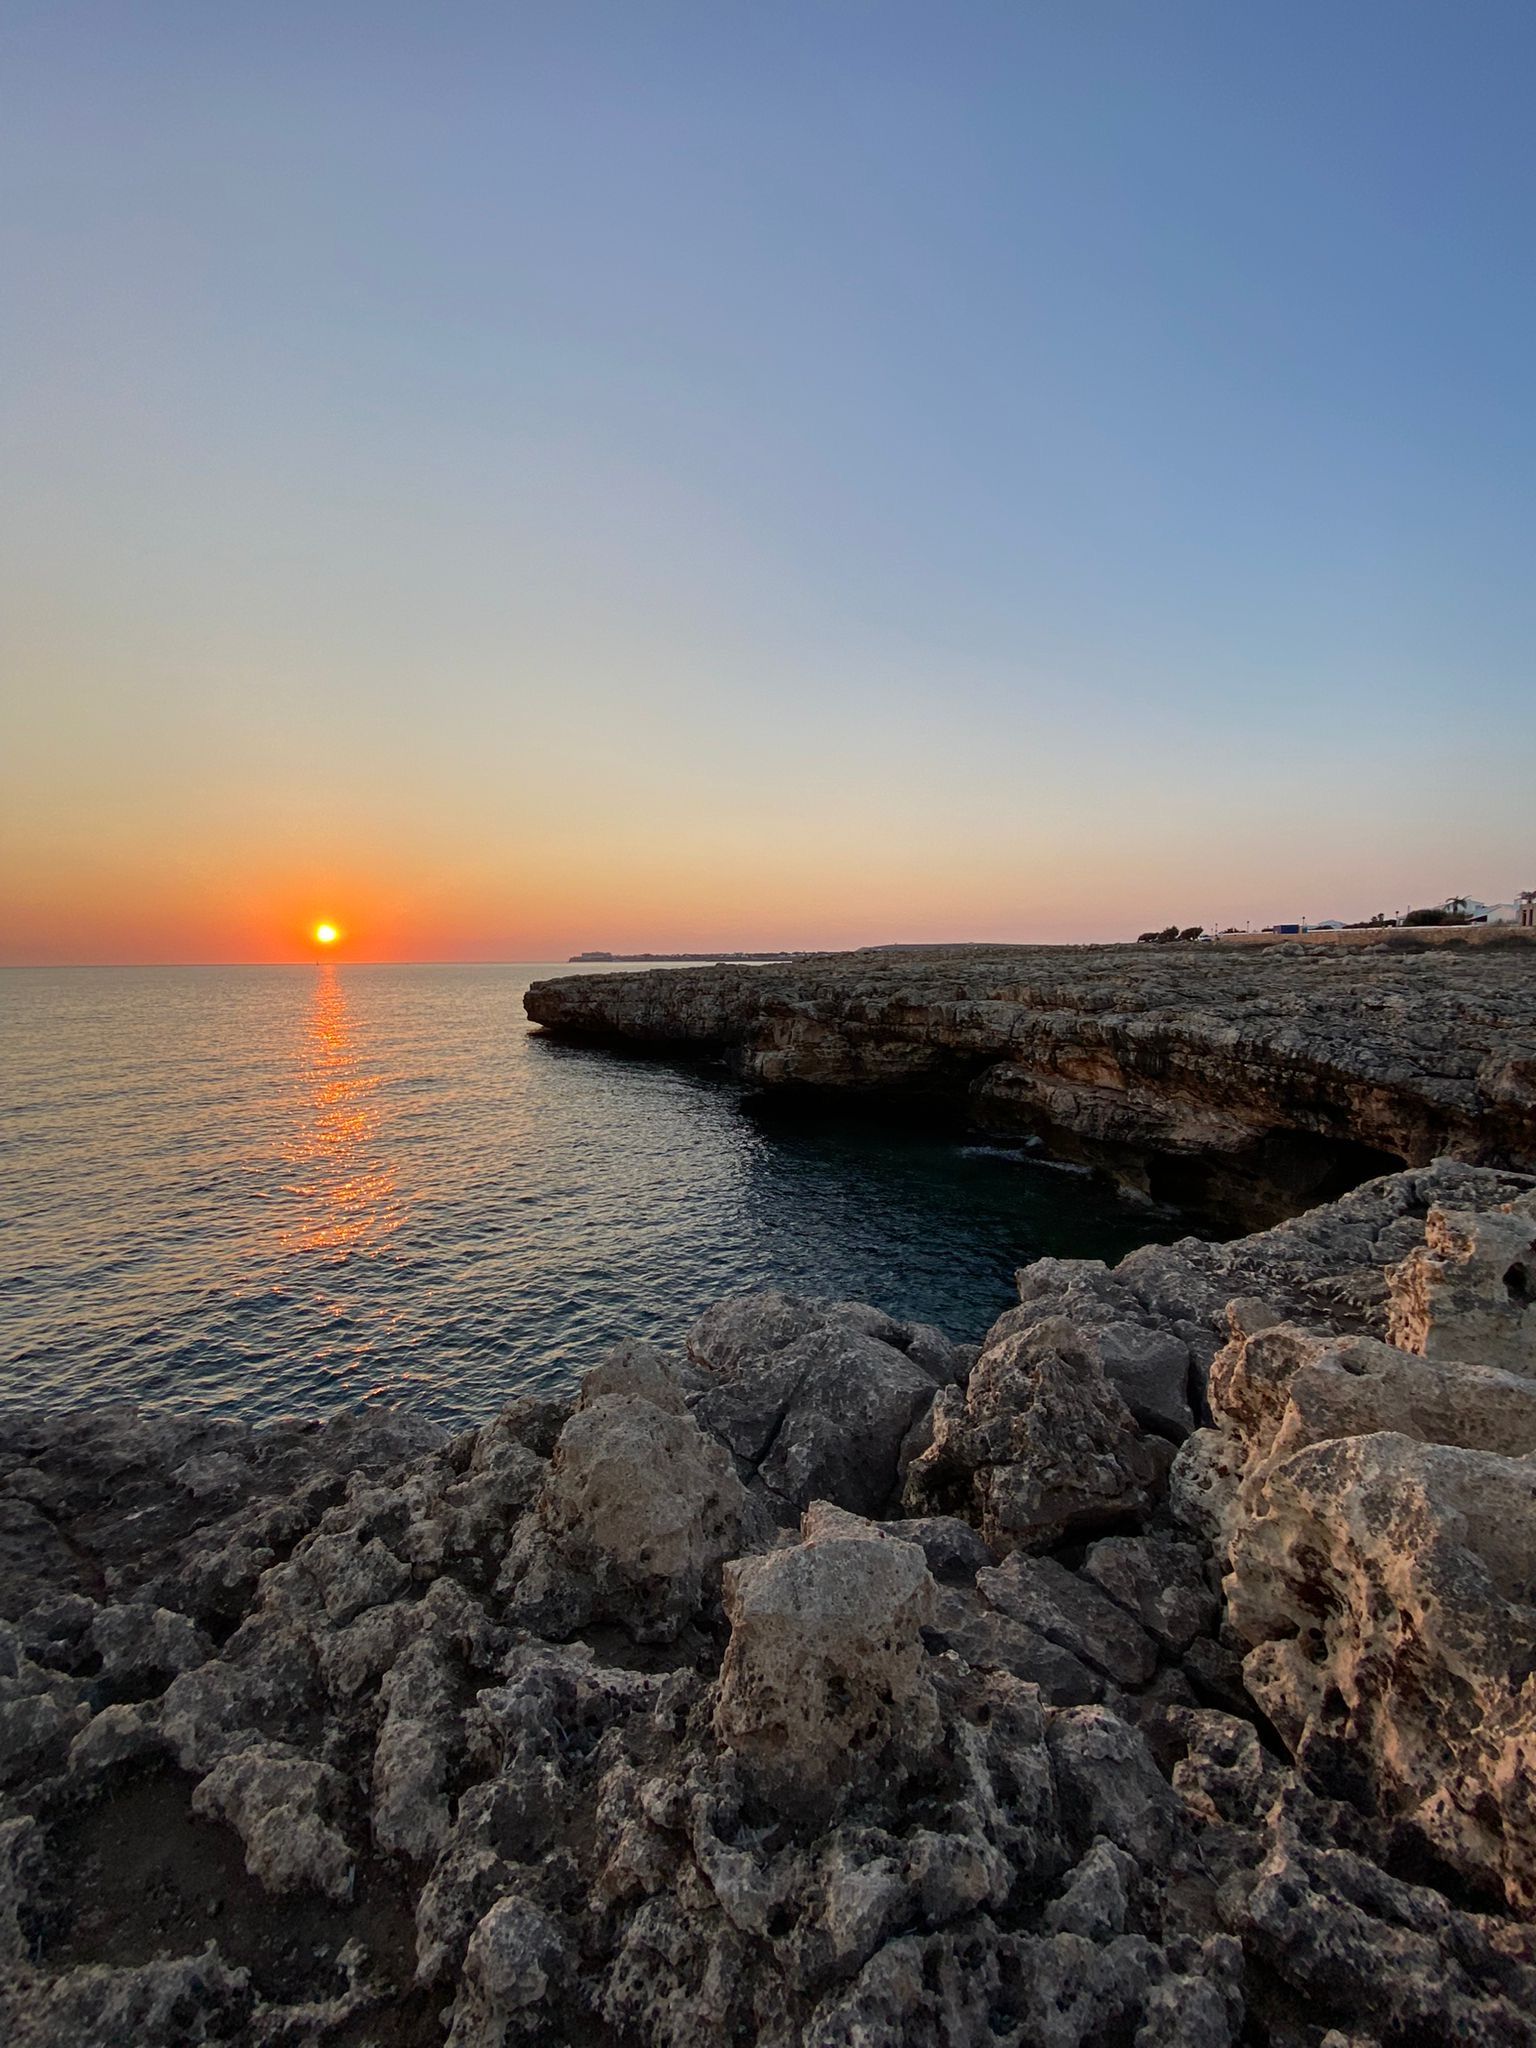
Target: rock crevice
(1162, 1675)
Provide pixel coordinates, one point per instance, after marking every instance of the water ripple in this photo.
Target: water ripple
(264, 1192)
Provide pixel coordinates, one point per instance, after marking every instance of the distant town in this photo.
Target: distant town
(1519, 912)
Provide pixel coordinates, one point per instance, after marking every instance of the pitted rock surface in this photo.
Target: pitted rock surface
(570, 1729)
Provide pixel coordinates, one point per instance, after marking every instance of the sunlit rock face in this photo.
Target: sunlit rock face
(1469, 1291)
(1245, 1083)
(1377, 1513)
(1193, 1708)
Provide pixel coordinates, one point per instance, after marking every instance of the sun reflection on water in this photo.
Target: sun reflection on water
(347, 1194)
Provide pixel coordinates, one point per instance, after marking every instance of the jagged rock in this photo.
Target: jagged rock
(993, 1641)
(1094, 1902)
(824, 1678)
(1366, 1950)
(40, 1713)
(1039, 1445)
(1283, 1388)
(283, 1807)
(1385, 1586)
(1469, 1291)
(1223, 1774)
(816, 1399)
(1161, 1582)
(744, 1330)
(512, 1955)
(953, 1549)
(178, 2002)
(414, 1753)
(896, 1815)
(1057, 1604)
(640, 1370)
(143, 1648)
(638, 1513)
(1148, 1363)
(1110, 1785)
(854, 1400)
(1275, 1389)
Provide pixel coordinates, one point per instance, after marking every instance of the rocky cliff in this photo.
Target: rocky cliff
(1161, 1675)
(1245, 1082)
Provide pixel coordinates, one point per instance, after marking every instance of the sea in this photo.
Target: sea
(279, 1191)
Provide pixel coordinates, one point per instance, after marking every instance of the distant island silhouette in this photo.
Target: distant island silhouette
(686, 956)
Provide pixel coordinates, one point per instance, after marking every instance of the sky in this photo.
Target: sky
(514, 479)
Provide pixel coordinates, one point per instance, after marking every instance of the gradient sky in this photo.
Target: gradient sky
(518, 478)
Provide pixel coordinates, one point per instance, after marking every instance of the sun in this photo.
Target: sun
(326, 934)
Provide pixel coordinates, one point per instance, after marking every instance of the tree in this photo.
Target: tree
(1191, 931)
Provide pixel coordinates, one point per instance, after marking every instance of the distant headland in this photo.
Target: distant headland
(702, 957)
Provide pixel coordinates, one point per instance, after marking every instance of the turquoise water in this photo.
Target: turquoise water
(272, 1191)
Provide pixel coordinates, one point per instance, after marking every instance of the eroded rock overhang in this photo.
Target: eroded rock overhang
(1244, 1083)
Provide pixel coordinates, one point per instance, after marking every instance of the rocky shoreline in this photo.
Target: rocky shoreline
(1161, 1674)
(1244, 1084)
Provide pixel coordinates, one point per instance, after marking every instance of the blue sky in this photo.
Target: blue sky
(658, 474)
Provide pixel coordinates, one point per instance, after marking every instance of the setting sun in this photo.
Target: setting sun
(326, 935)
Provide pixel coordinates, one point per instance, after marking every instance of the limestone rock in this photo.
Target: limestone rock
(825, 1675)
(1148, 1363)
(143, 1648)
(1392, 1959)
(1111, 1786)
(854, 1401)
(816, 1399)
(1385, 1588)
(1039, 1445)
(989, 1640)
(1469, 1291)
(1162, 1582)
(512, 1955)
(894, 1814)
(640, 1509)
(1071, 1611)
(283, 1806)
(953, 1549)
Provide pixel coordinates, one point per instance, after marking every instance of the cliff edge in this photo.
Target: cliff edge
(1244, 1083)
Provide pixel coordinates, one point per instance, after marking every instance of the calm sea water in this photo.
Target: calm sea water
(274, 1191)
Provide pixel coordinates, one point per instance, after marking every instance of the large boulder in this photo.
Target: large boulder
(815, 1400)
(638, 1513)
(1073, 1612)
(825, 1680)
(1152, 1363)
(1160, 1581)
(1469, 1291)
(1377, 1512)
(1039, 1447)
(1385, 1589)
(1275, 1389)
